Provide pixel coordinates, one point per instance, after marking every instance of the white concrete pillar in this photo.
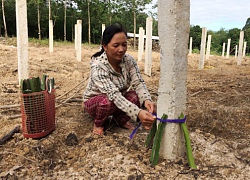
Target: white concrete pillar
(228, 48)
(51, 36)
(103, 27)
(240, 48)
(236, 49)
(79, 40)
(141, 43)
(174, 25)
(244, 49)
(22, 39)
(223, 50)
(208, 46)
(190, 45)
(148, 49)
(75, 36)
(203, 47)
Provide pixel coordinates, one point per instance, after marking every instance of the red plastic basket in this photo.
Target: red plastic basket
(38, 113)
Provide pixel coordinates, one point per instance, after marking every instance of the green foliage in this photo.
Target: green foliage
(247, 39)
(37, 42)
(104, 12)
(247, 25)
(196, 51)
(218, 38)
(195, 32)
(234, 34)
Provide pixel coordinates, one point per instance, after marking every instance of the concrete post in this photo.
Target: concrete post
(208, 46)
(79, 40)
(236, 49)
(190, 45)
(223, 50)
(148, 49)
(240, 48)
(173, 22)
(228, 48)
(22, 39)
(141, 43)
(244, 49)
(203, 47)
(51, 34)
(75, 36)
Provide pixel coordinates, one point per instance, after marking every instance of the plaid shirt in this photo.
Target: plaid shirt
(105, 80)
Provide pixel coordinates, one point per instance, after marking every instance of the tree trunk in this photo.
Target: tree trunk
(4, 21)
(65, 8)
(134, 28)
(49, 11)
(109, 13)
(89, 23)
(38, 20)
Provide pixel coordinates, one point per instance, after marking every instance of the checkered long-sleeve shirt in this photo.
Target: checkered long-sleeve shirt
(105, 80)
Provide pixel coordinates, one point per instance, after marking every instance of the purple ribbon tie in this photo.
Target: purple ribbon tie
(161, 120)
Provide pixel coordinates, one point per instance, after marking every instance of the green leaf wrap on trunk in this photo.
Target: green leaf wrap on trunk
(151, 135)
(157, 141)
(190, 157)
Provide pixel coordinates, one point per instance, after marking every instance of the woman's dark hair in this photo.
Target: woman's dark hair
(108, 34)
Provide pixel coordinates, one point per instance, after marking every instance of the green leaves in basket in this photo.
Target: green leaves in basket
(43, 82)
(25, 86)
(35, 84)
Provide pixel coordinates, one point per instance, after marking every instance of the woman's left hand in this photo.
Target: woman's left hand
(150, 106)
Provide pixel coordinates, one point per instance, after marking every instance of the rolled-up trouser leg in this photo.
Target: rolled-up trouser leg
(100, 108)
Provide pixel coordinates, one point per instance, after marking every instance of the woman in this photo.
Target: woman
(113, 73)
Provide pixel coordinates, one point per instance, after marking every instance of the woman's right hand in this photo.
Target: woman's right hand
(146, 118)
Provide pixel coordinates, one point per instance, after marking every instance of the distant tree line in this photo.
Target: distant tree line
(93, 13)
(65, 13)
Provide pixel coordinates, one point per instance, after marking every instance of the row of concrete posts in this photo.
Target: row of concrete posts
(239, 51)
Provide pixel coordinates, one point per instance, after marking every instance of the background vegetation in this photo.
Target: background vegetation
(94, 13)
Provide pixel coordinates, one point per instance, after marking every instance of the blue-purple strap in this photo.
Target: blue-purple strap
(161, 120)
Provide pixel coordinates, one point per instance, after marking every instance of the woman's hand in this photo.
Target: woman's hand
(146, 118)
(150, 106)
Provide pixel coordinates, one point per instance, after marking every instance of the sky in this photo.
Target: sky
(217, 14)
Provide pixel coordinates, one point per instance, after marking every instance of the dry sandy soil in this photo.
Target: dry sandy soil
(218, 118)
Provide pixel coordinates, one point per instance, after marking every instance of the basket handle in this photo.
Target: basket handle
(48, 85)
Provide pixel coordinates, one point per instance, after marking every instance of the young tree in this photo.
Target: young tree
(4, 21)
(65, 20)
(38, 20)
(89, 26)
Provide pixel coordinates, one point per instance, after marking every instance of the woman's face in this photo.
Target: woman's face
(116, 48)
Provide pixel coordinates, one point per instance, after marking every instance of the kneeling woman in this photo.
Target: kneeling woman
(113, 73)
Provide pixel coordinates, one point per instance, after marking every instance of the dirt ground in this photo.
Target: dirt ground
(218, 118)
